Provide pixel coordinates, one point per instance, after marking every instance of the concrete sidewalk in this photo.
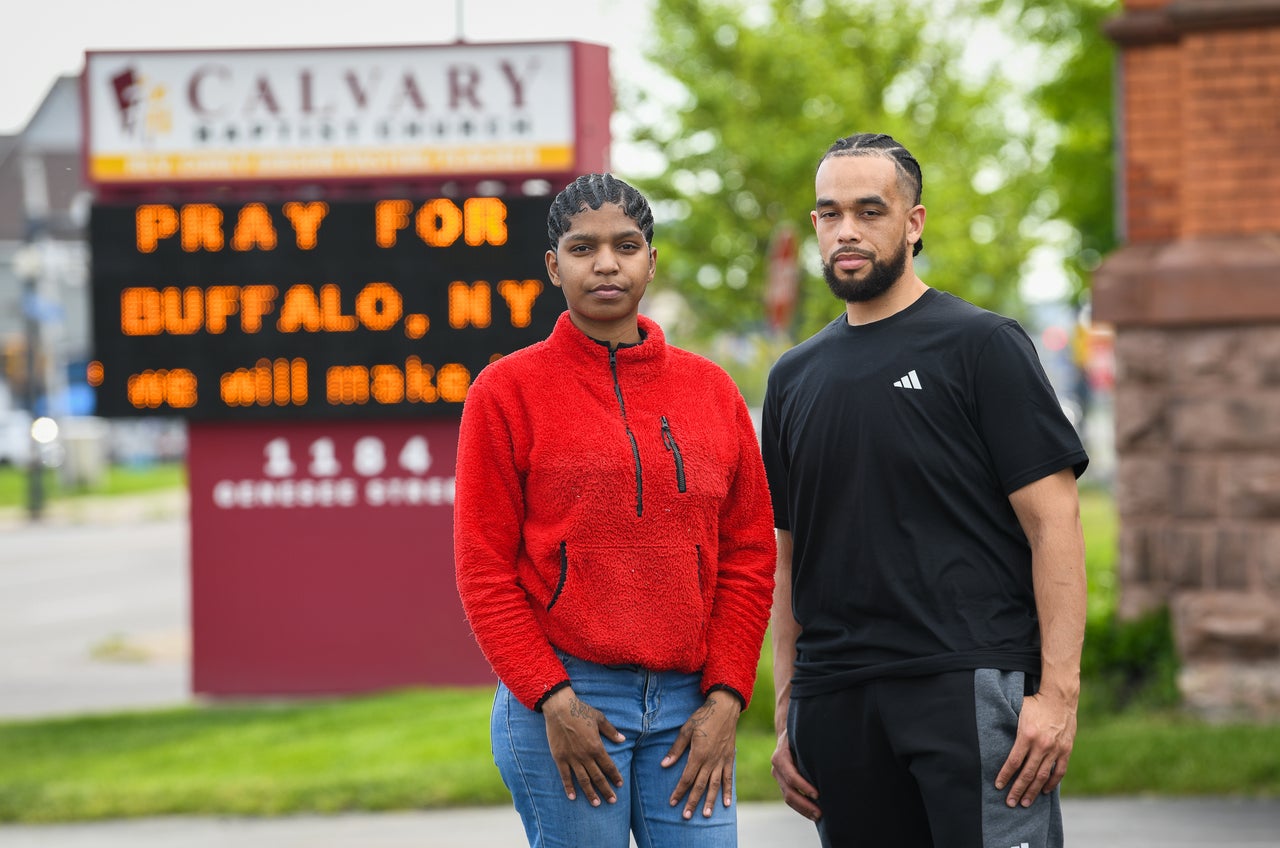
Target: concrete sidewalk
(1090, 823)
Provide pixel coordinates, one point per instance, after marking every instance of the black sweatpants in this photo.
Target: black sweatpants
(912, 763)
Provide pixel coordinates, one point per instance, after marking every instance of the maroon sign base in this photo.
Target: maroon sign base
(322, 558)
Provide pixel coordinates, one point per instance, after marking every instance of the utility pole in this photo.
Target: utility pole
(35, 196)
(28, 267)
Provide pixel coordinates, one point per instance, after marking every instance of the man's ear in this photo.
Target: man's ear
(915, 224)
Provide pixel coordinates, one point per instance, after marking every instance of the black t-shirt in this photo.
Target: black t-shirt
(891, 450)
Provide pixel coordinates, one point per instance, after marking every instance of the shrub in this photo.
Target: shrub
(1129, 663)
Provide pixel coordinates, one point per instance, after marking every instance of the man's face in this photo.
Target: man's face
(865, 224)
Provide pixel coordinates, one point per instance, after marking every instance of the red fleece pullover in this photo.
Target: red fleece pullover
(612, 504)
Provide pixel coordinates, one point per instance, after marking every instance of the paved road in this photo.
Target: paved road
(93, 616)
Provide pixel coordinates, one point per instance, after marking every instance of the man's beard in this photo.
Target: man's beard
(880, 278)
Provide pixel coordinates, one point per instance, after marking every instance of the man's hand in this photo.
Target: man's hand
(709, 736)
(1046, 734)
(574, 729)
(800, 794)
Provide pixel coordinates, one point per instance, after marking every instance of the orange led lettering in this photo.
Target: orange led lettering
(255, 302)
(520, 295)
(181, 388)
(153, 389)
(280, 382)
(389, 218)
(452, 382)
(183, 310)
(331, 317)
(220, 303)
(262, 382)
(306, 219)
(486, 221)
(152, 222)
(299, 311)
(147, 311)
(419, 381)
(93, 373)
(146, 390)
(379, 306)
(237, 388)
(387, 384)
(280, 376)
(141, 311)
(439, 222)
(254, 229)
(469, 304)
(201, 225)
(347, 384)
(298, 392)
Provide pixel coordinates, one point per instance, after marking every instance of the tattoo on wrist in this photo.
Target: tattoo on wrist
(702, 714)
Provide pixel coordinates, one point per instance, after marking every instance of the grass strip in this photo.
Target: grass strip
(116, 480)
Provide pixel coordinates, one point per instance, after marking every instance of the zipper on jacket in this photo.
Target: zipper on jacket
(670, 441)
(564, 575)
(635, 449)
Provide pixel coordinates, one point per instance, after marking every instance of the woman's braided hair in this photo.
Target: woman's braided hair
(593, 191)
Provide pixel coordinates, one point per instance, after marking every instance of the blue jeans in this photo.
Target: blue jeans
(648, 708)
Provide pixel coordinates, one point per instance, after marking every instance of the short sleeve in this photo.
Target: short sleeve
(1021, 421)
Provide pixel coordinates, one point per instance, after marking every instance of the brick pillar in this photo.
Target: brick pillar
(1194, 296)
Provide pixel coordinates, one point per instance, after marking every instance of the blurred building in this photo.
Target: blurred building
(45, 322)
(1194, 297)
(44, 259)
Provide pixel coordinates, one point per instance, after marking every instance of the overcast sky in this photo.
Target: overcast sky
(48, 38)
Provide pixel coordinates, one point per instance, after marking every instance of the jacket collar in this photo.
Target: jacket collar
(643, 361)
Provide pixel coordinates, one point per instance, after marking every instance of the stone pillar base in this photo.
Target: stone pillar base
(1221, 690)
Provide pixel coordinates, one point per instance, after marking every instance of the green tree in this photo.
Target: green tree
(1076, 98)
(767, 86)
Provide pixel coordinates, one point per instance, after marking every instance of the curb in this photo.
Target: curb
(101, 509)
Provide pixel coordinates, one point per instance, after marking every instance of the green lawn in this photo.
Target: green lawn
(117, 480)
(430, 748)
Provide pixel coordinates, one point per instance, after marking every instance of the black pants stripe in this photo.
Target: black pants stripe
(911, 763)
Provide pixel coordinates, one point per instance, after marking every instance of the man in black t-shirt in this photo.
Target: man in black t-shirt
(930, 599)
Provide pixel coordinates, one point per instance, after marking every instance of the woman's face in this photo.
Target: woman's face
(603, 265)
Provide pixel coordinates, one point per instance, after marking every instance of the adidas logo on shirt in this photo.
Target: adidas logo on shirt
(909, 381)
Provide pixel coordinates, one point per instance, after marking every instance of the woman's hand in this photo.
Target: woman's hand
(709, 735)
(574, 729)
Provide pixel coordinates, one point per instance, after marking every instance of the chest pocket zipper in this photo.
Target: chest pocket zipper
(669, 440)
(635, 449)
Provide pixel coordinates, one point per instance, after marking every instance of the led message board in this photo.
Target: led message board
(312, 309)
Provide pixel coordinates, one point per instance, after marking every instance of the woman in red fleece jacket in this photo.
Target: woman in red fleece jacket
(615, 552)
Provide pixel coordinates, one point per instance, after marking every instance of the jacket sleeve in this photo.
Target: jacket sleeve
(747, 560)
(488, 514)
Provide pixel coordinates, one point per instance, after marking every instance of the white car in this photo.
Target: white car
(15, 437)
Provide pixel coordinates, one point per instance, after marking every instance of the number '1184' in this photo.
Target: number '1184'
(368, 457)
